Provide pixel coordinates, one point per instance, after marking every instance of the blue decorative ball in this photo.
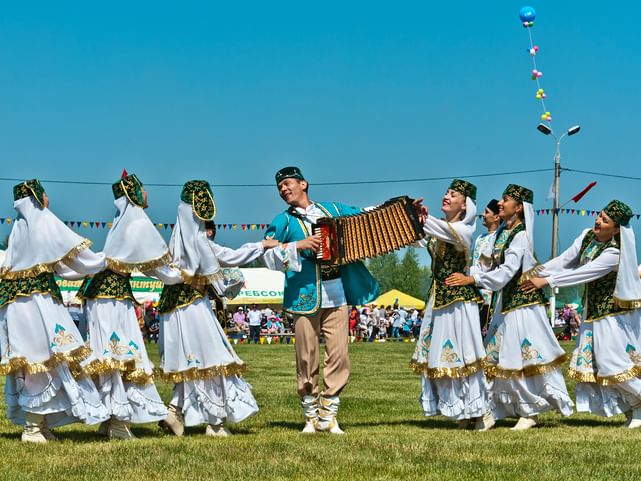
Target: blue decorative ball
(527, 14)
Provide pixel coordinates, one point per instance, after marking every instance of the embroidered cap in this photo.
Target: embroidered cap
(198, 193)
(28, 188)
(519, 193)
(618, 212)
(464, 187)
(288, 173)
(131, 187)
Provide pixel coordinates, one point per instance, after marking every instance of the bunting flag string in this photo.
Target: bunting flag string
(85, 224)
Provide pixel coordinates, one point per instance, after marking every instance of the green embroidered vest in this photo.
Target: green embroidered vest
(45, 283)
(599, 294)
(513, 297)
(447, 260)
(175, 296)
(106, 285)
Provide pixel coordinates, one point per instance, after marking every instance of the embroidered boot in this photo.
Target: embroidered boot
(175, 422)
(120, 430)
(327, 412)
(310, 409)
(217, 430)
(486, 422)
(525, 423)
(32, 428)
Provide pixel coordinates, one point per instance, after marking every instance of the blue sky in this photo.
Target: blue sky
(230, 92)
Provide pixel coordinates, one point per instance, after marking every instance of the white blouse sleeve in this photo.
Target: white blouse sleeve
(238, 257)
(86, 263)
(283, 258)
(607, 262)
(167, 274)
(441, 230)
(567, 259)
(496, 279)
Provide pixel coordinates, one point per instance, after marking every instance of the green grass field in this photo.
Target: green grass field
(387, 437)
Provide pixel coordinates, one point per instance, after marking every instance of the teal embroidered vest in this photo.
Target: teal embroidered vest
(303, 289)
(599, 294)
(447, 260)
(107, 285)
(45, 283)
(513, 297)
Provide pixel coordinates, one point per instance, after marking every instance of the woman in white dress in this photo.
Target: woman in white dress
(123, 372)
(606, 363)
(43, 355)
(523, 356)
(195, 353)
(449, 353)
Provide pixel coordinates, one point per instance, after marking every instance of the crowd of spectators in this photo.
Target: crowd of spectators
(380, 322)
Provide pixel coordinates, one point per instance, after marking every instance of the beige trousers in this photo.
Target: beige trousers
(334, 324)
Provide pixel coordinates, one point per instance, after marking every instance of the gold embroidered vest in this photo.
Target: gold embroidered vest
(599, 294)
(45, 283)
(107, 285)
(513, 297)
(447, 260)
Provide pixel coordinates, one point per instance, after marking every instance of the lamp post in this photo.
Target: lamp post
(544, 129)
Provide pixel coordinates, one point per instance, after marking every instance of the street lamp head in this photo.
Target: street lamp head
(574, 130)
(544, 129)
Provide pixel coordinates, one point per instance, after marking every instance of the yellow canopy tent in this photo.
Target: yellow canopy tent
(397, 297)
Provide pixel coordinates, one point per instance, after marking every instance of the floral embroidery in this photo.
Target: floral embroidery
(449, 354)
(528, 352)
(192, 360)
(492, 348)
(107, 285)
(635, 357)
(178, 295)
(44, 283)
(584, 354)
(61, 338)
(114, 346)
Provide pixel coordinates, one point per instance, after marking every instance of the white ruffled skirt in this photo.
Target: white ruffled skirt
(124, 371)
(45, 360)
(524, 364)
(607, 365)
(197, 357)
(449, 356)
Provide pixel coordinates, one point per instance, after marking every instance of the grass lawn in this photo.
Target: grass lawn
(387, 437)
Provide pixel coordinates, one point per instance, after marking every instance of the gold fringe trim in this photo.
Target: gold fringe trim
(38, 269)
(534, 272)
(492, 370)
(454, 372)
(127, 369)
(471, 301)
(628, 304)
(626, 375)
(524, 305)
(201, 374)
(73, 358)
(125, 267)
(199, 281)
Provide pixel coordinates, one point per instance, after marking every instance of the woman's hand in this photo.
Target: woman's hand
(457, 280)
(421, 210)
(533, 284)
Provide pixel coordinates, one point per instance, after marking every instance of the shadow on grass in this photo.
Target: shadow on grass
(429, 423)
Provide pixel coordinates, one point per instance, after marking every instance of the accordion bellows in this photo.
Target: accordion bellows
(386, 228)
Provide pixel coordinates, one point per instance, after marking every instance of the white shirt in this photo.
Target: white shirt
(254, 317)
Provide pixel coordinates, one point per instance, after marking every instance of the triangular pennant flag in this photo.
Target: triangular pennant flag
(124, 173)
(8, 220)
(1, 220)
(91, 224)
(172, 226)
(262, 226)
(573, 211)
(85, 223)
(244, 226)
(103, 224)
(233, 226)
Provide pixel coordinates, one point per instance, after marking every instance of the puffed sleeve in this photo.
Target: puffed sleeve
(86, 263)
(167, 274)
(237, 257)
(605, 263)
(496, 279)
